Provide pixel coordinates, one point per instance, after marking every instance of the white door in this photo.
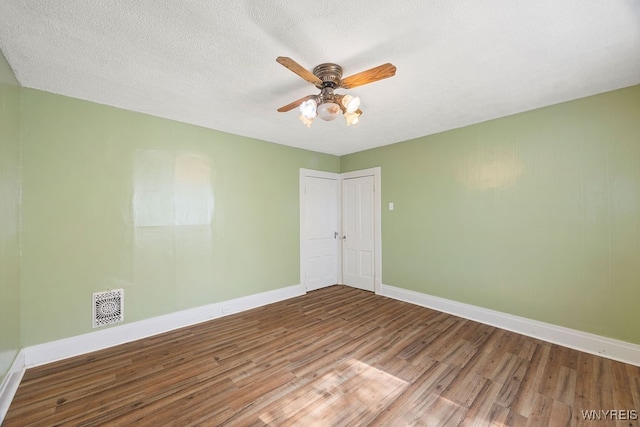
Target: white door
(358, 260)
(319, 230)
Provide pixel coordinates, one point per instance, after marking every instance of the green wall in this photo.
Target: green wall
(177, 215)
(535, 214)
(9, 217)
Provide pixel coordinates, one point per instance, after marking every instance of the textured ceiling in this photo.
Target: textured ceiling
(212, 63)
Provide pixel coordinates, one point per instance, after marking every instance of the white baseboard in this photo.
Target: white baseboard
(10, 383)
(81, 344)
(621, 351)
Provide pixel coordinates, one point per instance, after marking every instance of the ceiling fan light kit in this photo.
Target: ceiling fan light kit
(328, 111)
(327, 77)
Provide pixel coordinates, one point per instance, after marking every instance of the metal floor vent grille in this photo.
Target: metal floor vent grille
(108, 307)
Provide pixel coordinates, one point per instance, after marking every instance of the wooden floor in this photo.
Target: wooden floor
(334, 357)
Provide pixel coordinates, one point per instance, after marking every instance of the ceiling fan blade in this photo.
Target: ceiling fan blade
(294, 104)
(299, 70)
(369, 76)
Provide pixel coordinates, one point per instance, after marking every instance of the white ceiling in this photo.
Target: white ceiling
(212, 63)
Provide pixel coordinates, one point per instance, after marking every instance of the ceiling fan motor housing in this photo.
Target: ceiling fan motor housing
(330, 74)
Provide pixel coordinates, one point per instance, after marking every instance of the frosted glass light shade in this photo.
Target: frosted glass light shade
(329, 111)
(308, 109)
(307, 121)
(351, 103)
(352, 118)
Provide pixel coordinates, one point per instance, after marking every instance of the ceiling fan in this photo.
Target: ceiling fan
(328, 77)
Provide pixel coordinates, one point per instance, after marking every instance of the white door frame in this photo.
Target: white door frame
(376, 172)
(377, 222)
(305, 173)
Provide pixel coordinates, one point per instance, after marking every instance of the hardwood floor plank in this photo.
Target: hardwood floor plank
(541, 411)
(440, 411)
(406, 408)
(508, 392)
(561, 414)
(566, 385)
(634, 384)
(481, 408)
(337, 356)
(464, 389)
(524, 400)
